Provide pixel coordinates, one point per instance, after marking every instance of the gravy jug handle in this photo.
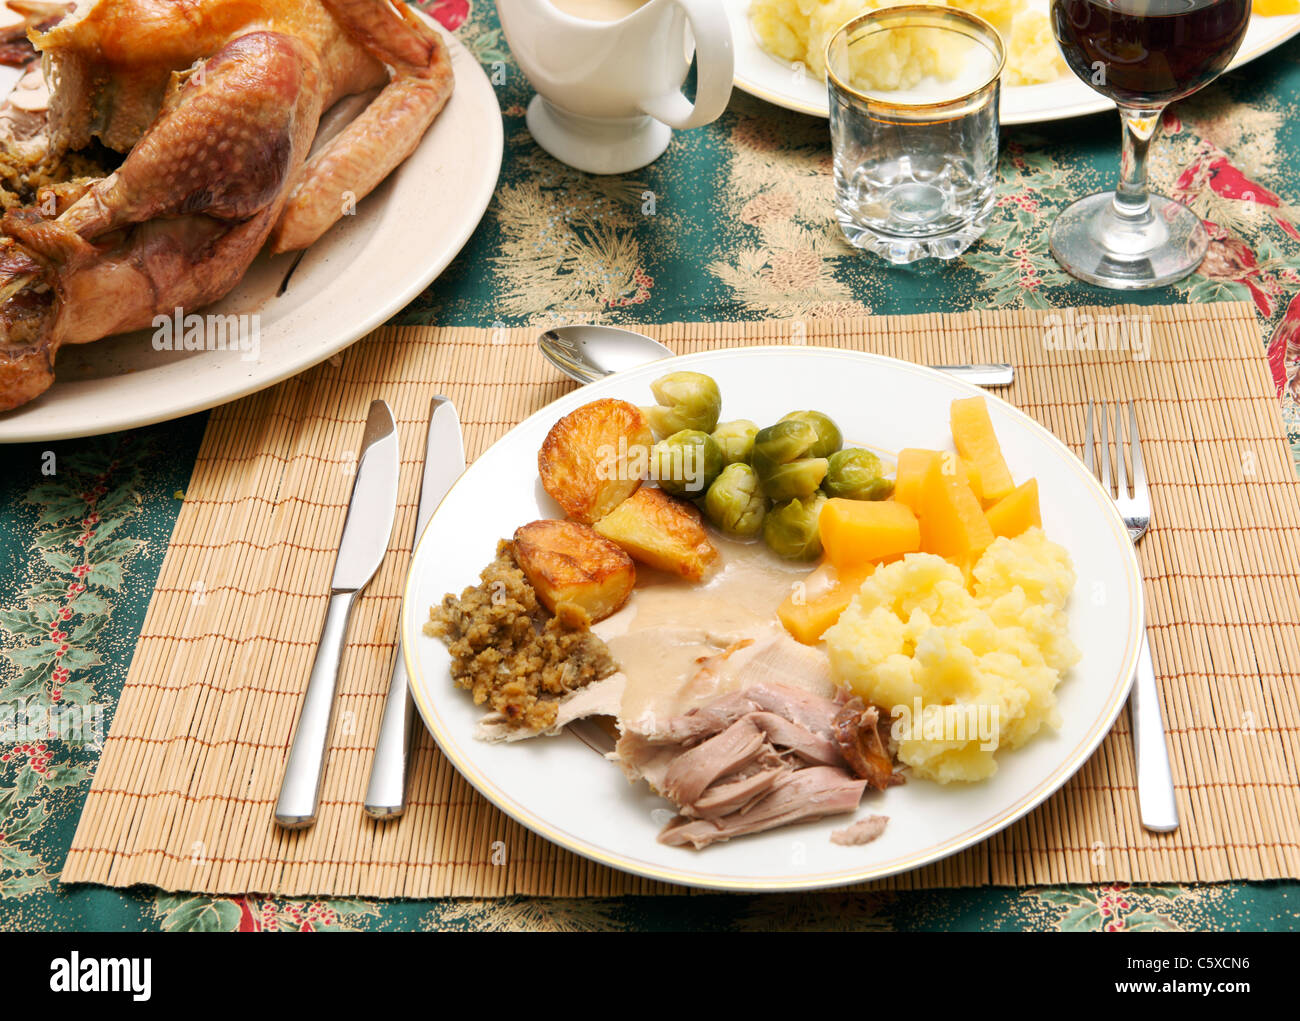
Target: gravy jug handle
(715, 68)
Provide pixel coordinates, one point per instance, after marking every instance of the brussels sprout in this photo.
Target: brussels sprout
(781, 458)
(829, 438)
(736, 440)
(790, 529)
(686, 463)
(856, 474)
(785, 441)
(687, 400)
(795, 480)
(735, 502)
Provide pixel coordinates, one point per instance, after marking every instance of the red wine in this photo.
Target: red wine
(1146, 53)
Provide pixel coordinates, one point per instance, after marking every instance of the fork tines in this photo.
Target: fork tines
(1136, 500)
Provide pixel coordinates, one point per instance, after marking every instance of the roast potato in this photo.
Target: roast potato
(567, 562)
(662, 532)
(595, 457)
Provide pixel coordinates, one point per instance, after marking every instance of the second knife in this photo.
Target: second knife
(444, 461)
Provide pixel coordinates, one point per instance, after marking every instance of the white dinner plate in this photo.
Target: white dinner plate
(560, 789)
(367, 267)
(764, 76)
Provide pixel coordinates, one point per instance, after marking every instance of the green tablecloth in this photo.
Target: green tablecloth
(733, 222)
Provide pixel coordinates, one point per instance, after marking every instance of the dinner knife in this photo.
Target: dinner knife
(444, 461)
(366, 531)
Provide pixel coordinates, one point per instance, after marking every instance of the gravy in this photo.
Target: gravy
(599, 10)
(669, 627)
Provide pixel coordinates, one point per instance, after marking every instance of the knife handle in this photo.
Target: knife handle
(386, 794)
(303, 773)
(1157, 805)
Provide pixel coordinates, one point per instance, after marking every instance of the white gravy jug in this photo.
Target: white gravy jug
(608, 74)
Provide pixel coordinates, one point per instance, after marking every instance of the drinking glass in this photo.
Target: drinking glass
(1143, 54)
(914, 129)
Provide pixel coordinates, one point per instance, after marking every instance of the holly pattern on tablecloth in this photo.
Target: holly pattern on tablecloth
(54, 718)
(82, 503)
(183, 912)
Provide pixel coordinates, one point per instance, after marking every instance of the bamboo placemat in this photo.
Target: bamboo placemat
(183, 795)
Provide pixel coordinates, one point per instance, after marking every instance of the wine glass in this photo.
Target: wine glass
(1143, 54)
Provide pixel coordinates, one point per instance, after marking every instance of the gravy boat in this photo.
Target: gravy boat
(609, 92)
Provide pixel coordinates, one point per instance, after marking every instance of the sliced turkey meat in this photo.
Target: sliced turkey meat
(704, 721)
(814, 749)
(754, 759)
(696, 768)
(863, 831)
(813, 712)
(799, 796)
(735, 794)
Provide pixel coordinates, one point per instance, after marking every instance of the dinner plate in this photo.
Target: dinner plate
(367, 267)
(558, 787)
(762, 75)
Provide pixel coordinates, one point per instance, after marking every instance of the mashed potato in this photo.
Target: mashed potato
(1032, 56)
(965, 671)
(796, 31)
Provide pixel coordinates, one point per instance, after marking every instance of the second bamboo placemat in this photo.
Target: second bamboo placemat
(183, 794)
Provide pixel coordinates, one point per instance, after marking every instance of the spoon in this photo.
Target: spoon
(587, 353)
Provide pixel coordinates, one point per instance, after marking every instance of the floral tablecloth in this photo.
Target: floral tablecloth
(733, 222)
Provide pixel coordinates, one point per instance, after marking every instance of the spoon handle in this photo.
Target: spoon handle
(983, 374)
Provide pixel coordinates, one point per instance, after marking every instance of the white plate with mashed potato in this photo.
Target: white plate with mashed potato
(779, 46)
(559, 788)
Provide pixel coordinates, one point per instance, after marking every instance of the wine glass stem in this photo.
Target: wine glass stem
(1139, 126)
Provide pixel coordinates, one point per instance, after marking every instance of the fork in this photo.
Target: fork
(1155, 780)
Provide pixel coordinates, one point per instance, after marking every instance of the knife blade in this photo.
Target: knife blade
(444, 461)
(371, 510)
